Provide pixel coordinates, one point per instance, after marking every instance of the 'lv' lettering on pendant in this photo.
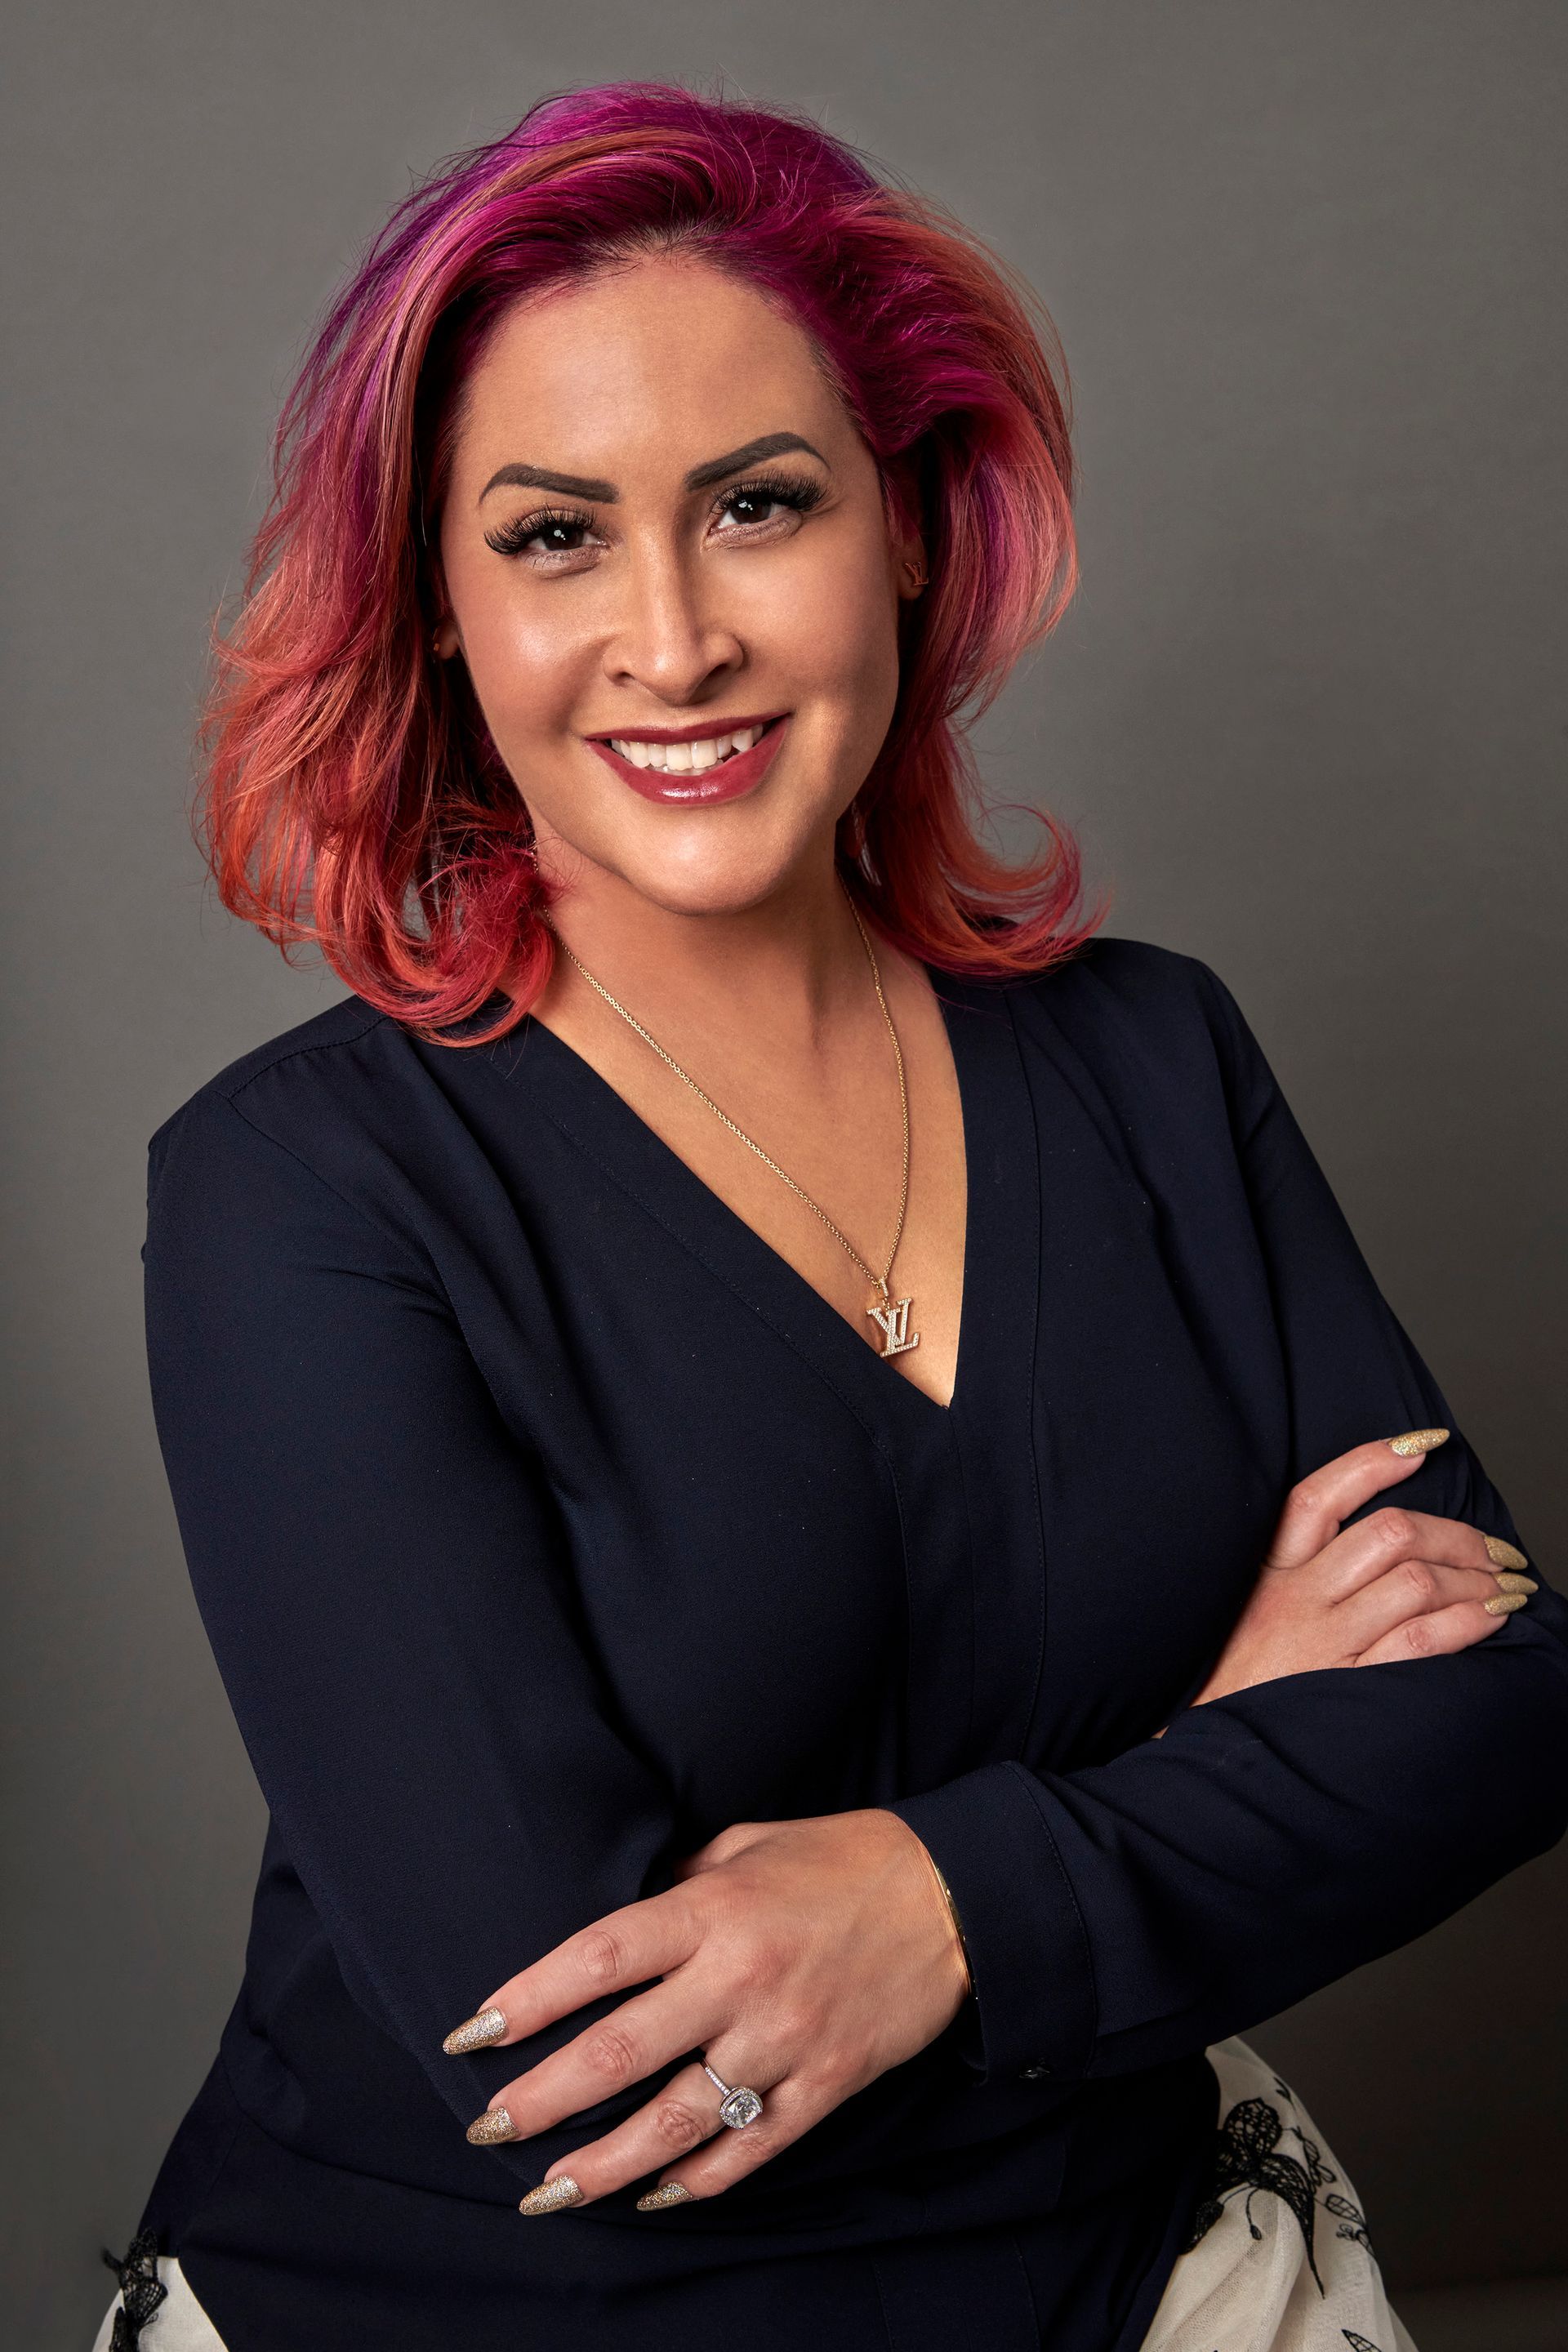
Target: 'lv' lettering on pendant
(893, 1320)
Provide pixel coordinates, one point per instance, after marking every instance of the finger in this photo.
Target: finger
(1317, 1505)
(681, 2117)
(633, 2041)
(1362, 1554)
(1458, 1627)
(1416, 1588)
(628, 1946)
(791, 2108)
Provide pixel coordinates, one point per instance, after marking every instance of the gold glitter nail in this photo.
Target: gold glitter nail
(1419, 1441)
(1505, 1604)
(474, 2032)
(493, 2125)
(552, 2195)
(669, 2192)
(1503, 1555)
(1506, 1582)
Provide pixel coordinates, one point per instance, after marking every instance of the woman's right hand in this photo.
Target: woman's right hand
(1398, 1584)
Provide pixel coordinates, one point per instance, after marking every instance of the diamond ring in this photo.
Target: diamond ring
(739, 2107)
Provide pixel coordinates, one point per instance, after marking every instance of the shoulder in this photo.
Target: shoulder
(347, 1119)
(1114, 991)
(310, 1063)
(330, 1144)
(1138, 973)
(1156, 1033)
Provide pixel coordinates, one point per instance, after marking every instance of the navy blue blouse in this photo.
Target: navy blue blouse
(544, 1521)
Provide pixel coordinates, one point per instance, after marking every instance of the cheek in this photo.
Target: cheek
(838, 637)
(526, 667)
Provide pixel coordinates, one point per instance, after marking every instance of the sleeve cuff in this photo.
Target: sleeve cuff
(1028, 1954)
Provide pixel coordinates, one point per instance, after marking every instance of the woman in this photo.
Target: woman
(790, 1465)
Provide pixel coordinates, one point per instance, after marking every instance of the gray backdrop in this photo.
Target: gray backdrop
(1307, 714)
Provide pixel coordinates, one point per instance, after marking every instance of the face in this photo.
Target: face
(662, 529)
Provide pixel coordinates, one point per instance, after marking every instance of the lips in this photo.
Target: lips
(741, 772)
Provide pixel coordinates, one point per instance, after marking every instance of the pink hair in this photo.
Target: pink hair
(352, 793)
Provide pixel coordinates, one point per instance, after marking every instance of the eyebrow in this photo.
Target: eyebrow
(751, 453)
(600, 493)
(538, 478)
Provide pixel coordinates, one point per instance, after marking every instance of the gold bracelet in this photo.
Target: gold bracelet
(953, 1914)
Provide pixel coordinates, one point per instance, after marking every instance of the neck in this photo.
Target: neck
(785, 972)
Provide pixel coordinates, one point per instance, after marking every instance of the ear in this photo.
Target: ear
(445, 639)
(901, 505)
(910, 571)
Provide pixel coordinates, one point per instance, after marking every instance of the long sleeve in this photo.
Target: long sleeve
(1129, 1914)
(379, 1570)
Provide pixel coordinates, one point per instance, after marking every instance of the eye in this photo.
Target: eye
(757, 506)
(557, 529)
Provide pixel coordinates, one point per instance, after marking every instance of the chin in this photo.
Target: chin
(711, 865)
(706, 884)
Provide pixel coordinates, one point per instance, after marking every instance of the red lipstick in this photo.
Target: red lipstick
(741, 772)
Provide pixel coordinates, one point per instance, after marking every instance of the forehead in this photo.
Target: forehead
(661, 360)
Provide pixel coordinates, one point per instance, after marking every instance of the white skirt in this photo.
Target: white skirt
(179, 2323)
(1280, 2261)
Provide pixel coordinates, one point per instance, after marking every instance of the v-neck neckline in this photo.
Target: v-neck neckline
(999, 1157)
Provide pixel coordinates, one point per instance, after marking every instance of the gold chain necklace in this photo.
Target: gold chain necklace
(892, 1315)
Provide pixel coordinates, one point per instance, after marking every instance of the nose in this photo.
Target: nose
(667, 638)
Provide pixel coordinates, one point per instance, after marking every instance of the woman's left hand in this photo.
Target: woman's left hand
(802, 1958)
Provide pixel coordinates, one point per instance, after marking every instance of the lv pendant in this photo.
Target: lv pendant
(891, 1316)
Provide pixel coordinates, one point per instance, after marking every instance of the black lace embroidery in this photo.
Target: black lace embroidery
(1246, 2157)
(1353, 2224)
(140, 2290)
(1357, 2343)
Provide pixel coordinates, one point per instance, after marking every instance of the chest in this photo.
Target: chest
(808, 1584)
(813, 1161)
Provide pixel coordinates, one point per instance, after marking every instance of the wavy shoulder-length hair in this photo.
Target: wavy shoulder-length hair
(351, 795)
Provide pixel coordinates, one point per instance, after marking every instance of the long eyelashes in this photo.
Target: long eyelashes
(798, 493)
(513, 537)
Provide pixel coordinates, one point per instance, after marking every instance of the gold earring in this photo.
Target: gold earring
(918, 578)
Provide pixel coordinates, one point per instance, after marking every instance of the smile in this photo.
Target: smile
(685, 759)
(694, 771)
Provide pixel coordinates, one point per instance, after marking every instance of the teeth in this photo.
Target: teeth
(678, 759)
